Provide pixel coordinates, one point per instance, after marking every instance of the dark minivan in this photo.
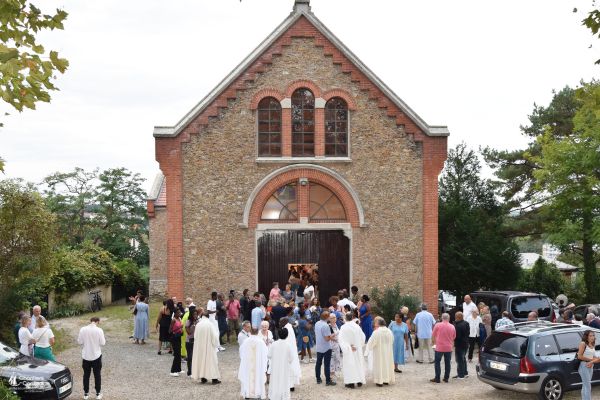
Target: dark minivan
(519, 304)
(537, 357)
(31, 378)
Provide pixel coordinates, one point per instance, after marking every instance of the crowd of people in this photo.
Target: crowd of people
(275, 334)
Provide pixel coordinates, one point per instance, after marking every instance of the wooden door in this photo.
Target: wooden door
(330, 250)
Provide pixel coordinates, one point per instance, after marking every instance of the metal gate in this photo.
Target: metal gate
(329, 249)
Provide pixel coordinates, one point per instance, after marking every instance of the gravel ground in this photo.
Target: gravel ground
(136, 372)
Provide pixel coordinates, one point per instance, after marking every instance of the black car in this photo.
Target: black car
(519, 304)
(31, 378)
(536, 357)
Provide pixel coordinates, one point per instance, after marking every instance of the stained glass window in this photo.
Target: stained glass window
(282, 205)
(336, 128)
(269, 128)
(324, 204)
(303, 123)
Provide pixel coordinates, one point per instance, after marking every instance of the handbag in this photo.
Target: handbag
(416, 342)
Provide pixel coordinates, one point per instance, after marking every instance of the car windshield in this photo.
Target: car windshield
(6, 353)
(449, 298)
(522, 306)
(506, 344)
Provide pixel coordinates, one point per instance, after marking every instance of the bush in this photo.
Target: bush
(129, 276)
(388, 302)
(80, 269)
(67, 309)
(6, 393)
(542, 278)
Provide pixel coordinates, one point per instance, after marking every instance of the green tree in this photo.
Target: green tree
(543, 278)
(569, 172)
(27, 70)
(71, 196)
(121, 215)
(107, 208)
(473, 250)
(27, 240)
(552, 184)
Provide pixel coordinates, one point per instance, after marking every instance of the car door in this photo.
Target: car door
(568, 344)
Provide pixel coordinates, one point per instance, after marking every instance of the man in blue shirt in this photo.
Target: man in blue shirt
(424, 323)
(257, 315)
(323, 337)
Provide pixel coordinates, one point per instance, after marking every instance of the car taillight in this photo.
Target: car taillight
(526, 366)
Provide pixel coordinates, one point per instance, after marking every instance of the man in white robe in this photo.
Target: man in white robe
(205, 364)
(244, 333)
(294, 368)
(381, 349)
(253, 367)
(352, 339)
(280, 358)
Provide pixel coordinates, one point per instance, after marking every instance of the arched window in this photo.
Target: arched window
(336, 128)
(303, 123)
(282, 205)
(325, 205)
(269, 127)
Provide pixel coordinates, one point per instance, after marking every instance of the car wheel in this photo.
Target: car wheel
(552, 389)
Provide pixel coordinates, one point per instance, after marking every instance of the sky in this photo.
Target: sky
(476, 66)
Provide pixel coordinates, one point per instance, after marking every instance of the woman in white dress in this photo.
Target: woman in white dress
(25, 337)
(44, 340)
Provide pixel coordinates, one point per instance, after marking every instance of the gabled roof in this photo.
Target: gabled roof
(301, 9)
(528, 259)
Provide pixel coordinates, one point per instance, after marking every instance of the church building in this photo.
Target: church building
(301, 158)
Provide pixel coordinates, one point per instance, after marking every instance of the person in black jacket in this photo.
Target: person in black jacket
(461, 345)
(245, 306)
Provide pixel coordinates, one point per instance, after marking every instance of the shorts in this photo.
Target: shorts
(233, 324)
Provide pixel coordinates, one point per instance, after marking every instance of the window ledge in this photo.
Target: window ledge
(304, 160)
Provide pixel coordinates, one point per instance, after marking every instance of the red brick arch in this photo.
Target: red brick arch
(261, 94)
(313, 175)
(303, 83)
(330, 94)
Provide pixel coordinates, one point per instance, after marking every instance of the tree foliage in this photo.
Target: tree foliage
(543, 278)
(81, 268)
(558, 174)
(27, 70)
(106, 208)
(473, 250)
(27, 240)
(592, 21)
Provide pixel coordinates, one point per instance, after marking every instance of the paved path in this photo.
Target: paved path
(136, 372)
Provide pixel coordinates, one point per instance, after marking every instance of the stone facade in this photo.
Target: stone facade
(211, 168)
(158, 253)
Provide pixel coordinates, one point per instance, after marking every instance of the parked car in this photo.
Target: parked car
(31, 378)
(446, 301)
(519, 304)
(583, 310)
(534, 357)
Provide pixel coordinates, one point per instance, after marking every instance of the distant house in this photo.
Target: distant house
(568, 270)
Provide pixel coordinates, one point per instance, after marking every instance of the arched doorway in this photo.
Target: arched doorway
(304, 218)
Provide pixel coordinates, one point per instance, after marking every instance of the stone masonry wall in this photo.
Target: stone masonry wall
(220, 171)
(158, 253)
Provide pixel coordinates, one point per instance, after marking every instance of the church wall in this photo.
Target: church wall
(220, 171)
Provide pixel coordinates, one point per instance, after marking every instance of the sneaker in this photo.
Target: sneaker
(305, 361)
(174, 374)
(99, 396)
(312, 360)
(221, 348)
(332, 383)
(86, 396)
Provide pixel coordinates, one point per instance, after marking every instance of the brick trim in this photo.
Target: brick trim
(314, 175)
(261, 94)
(341, 93)
(301, 83)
